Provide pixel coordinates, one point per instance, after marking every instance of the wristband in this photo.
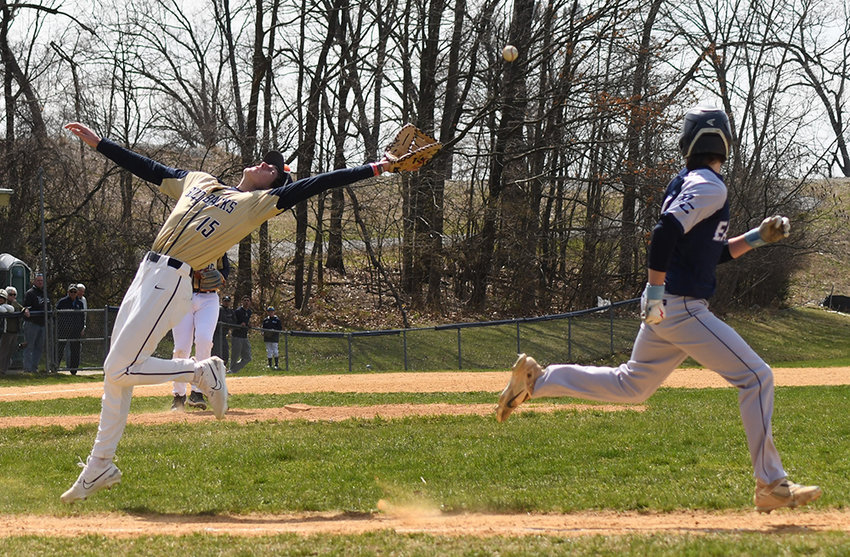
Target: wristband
(376, 168)
(754, 239)
(654, 292)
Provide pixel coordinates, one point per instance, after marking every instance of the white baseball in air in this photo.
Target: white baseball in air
(510, 52)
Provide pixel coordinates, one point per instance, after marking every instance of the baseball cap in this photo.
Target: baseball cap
(270, 308)
(226, 298)
(3, 293)
(72, 287)
(275, 158)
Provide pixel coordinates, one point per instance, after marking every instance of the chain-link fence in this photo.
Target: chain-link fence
(581, 336)
(73, 339)
(586, 336)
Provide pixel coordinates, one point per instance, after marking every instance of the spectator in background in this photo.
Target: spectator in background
(4, 309)
(81, 295)
(36, 301)
(9, 338)
(221, 345)
(241, 346)
(70, 324)
(271, 336)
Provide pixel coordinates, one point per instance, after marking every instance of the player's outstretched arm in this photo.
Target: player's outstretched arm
(299, 190)
(84, 133)
(141, 166)
(772, 229)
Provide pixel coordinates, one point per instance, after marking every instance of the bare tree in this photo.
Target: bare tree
(824, 62)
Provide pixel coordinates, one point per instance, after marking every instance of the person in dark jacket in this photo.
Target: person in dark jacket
(70, 324)
(35, 300)
(221, 343)
(271, 336)
(241, 345)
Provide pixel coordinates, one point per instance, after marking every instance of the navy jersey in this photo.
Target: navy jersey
(696, 202)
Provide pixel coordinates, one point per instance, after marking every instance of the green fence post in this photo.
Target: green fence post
(611, 322)
(459, 357)
(349, 352)
(107, 333)
(570, 338)
(404, 346)
(286, 350)
(518, 351)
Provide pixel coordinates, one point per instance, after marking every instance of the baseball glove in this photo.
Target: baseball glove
(411, 149)
(209, 279)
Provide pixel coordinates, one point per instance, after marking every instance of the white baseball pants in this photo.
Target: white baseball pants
(159, 296)
(689, 329)
(197, 325)
(272, 349)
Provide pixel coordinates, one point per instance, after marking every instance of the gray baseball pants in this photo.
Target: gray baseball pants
(689, 329)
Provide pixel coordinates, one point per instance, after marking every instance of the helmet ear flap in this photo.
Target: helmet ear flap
(709, 141)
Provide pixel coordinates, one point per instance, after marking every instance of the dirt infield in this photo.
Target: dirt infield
(302, 412)
(408, 382)
(389, 516)
(416, 520)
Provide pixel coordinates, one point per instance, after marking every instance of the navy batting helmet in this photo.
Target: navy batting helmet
(705, 130)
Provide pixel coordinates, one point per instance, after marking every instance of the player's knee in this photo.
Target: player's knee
(636, 395)
(765, 376)
(758, 376)
(634, 387)
(180, 353)
(115, 374)
(203, 347)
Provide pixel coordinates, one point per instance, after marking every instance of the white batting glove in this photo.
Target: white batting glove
(652, 304)
(772, 229)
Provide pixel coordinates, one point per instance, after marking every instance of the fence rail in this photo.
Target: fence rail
(585, 335)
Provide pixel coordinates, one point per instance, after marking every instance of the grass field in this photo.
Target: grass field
(683, 453)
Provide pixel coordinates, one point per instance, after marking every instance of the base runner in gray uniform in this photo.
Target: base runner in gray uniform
(688, 242)
(208, 218)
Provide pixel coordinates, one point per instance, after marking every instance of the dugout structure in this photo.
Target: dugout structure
(14, 272)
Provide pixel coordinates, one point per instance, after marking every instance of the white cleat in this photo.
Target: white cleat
(209, 376)
(783, 493)
(92, 479)
(524, 374)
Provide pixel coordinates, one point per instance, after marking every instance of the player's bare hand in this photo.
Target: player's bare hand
(384, 163)
(84, 133)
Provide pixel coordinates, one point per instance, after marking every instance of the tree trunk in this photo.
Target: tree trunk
(307, 148)
(334, 257)
(507, 165)
(265, 263)
(246, 127)
(430, 186)
(633, 170)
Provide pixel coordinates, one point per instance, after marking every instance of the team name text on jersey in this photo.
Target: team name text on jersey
(211, 199)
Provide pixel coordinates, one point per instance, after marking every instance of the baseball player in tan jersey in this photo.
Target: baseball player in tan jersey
(209, 218)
